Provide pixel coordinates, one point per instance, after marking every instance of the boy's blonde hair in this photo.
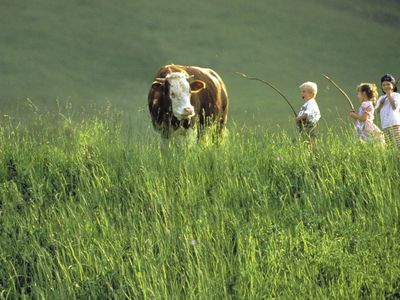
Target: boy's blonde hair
(310, 86)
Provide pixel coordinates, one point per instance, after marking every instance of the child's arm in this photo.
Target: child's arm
(356, 116)
(380, 105)
(392, 101)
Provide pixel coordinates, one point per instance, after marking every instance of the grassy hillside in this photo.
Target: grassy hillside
(91, 207)
(90, 51)
(257, 217)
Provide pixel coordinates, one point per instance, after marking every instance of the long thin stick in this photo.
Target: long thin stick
(271, 86)
(340, 90)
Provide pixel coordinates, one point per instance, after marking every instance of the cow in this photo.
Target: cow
(187, 98)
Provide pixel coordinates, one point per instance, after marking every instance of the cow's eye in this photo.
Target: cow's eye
(173, 95)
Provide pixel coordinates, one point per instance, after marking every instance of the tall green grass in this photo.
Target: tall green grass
(90, 211)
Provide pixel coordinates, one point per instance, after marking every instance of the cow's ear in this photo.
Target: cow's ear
(197, 86)
(157, 85)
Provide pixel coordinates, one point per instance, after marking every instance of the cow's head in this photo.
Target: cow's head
(178, 87)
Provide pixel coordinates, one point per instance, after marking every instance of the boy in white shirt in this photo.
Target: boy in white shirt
(388, 107)
(309, 113)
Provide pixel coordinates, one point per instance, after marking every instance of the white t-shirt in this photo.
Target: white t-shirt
(389, 116)
(312, 110)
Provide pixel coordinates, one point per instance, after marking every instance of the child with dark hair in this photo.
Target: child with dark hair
(366, 130)
(388, 107)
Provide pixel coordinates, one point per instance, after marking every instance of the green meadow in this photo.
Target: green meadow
(92, 206)
(88, 214)
(90, 52)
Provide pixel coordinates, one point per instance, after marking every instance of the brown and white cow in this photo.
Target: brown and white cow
(182, 98)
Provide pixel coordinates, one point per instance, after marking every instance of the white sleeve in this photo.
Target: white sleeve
(396, 98)
(378, 103)
(312, 113)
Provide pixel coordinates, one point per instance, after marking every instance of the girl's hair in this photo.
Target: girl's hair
(370, 89)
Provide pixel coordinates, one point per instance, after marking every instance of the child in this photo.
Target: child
(366, 130)
(309, 114)
(388, 107)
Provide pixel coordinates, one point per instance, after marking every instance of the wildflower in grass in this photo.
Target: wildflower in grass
(193, 242)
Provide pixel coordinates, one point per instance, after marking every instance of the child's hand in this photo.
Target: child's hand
(352, 114)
